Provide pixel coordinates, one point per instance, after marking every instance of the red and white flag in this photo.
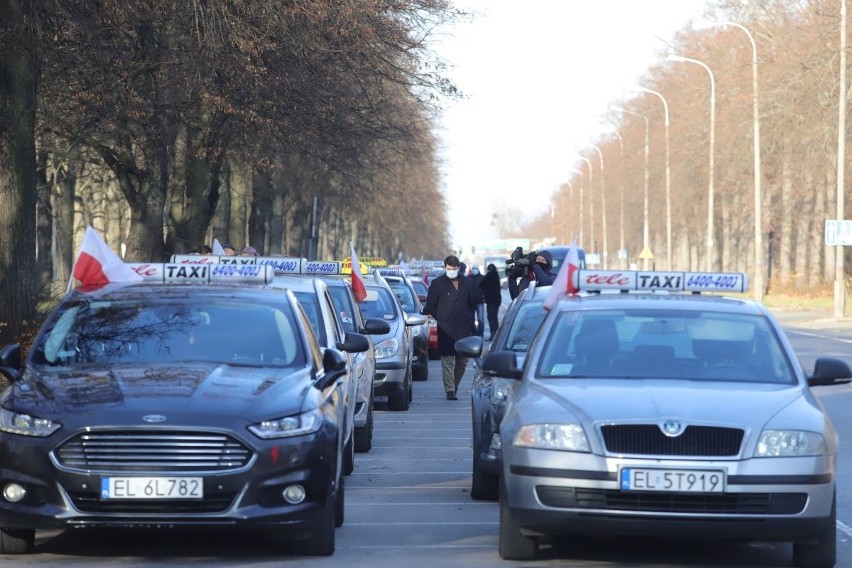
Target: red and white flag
(218, 250)
(357, 278)
(564, 282)
(425, 271)
(97, 264)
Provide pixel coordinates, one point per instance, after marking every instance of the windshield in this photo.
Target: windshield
(379, 304)
(524, 325)
(130, 331)
(664, 344)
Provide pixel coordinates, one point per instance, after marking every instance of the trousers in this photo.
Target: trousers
(452, 371)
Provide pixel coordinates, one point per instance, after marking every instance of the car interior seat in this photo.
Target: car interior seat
(595, 346)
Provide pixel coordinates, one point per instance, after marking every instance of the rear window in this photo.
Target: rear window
(379, 304)
(405, 295)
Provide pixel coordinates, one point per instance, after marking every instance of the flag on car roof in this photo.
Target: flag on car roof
(564, 282)
(97, 264)
(425, 272)
(218, 250)
(357, 278)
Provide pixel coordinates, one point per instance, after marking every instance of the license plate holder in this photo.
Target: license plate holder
(164, 488)
(672, 480)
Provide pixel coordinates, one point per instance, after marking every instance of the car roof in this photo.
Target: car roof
(662, 301)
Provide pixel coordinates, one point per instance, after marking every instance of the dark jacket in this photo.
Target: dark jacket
(451, 309)
(490, 285)
(544, 276)
(476, 291)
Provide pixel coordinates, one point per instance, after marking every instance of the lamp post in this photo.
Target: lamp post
(604, 254)
(839, 268)
(758, 212)
(712, 144)
(668, 179)
(582, 177)
(645, 245)
(591, 207)
(620, 197)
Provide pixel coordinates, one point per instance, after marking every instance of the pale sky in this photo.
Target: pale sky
(538, 76)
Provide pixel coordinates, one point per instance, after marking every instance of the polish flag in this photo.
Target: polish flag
(425, 272)
(564, 282)
(357, 279)
(97, 264)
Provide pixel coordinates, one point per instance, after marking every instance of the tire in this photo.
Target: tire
(340, 503)
(402, 401)
(823, 552)
(321, 539)
(421, 371)
(364, 434)
(349, 455)
(483, 486)
(17, 541)
(514, 545)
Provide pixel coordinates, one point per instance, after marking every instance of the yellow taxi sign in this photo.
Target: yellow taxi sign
(346, 266)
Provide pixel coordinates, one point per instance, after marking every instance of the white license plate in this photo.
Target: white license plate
(672, 480)
(152, 488)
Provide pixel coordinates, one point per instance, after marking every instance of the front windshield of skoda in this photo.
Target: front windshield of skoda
(379, 304)
(133, 332)
(664, 344)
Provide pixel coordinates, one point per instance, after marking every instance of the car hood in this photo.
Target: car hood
(198, 392)
(654, 399)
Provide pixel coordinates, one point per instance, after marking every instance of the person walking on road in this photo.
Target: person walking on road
(477, 316)
(490, 286)
(450, 301)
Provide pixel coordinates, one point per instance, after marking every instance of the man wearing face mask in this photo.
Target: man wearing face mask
(541, 271)
(450, 301)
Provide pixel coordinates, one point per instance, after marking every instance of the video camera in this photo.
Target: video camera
(520, 264)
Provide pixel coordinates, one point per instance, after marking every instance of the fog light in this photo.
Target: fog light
(293, 494)
(14, 492)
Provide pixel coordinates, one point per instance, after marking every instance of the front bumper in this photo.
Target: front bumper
(250, 495)
(781, 499)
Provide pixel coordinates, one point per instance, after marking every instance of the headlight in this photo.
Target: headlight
(299, 425)
(26, 425)
(789, 443)
(499, 391)
(567, 437)
(386, 348)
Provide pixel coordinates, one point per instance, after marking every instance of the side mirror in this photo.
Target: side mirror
(334, 364)
(830, 371)
(502, 364)
(10, 356)
(415, 319)
(469, 346)
(376, 326)
(354, 343)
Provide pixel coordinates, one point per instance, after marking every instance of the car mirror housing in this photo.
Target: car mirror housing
(469, 346)
(376, 326)
(502, 364)
(10, 356)
(415, 319)
(354, 343)
(830, 371)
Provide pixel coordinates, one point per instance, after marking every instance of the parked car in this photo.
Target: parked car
(408, 299)
(191, 401)
(488, 392)
(394, 350)
(421, 288)
(669, 411)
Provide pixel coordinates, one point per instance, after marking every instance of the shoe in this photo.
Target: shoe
(452, 396)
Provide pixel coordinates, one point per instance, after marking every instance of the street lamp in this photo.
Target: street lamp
(582, 178)
(668, 180)
(758, 212)
(712, 144)
(645, 246)
(591, 207)
(620, 197)
(603, 209)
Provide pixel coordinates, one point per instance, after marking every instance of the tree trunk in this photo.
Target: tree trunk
(18, 86)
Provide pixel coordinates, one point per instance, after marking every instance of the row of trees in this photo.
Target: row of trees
(169, 123)
(798, 46)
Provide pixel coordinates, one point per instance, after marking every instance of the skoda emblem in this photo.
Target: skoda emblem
(672, 428)
(154, 418)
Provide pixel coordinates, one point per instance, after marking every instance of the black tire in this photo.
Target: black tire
(483, 486)
(340, 503)
(321, 539)
(514, 545)
(823, 552)
(402, 401)
(421, 371)
(364, 434)
(349, 455)
(17, 541)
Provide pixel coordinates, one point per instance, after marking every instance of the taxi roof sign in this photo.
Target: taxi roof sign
(202, 273)
(650, 281)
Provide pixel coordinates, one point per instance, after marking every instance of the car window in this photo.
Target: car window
(343, 305)
(681, 344)
(379, 304)
(310, 303)
(406, 297)
(133, 332)
(524, 325)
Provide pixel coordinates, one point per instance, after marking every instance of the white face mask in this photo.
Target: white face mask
(453, 274)
(475, 272)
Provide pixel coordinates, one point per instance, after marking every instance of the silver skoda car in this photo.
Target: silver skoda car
(658, 412)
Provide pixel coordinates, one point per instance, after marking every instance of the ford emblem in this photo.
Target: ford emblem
(154, 418)
(672, 428)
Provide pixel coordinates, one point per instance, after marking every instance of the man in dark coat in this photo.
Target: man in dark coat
(450, 301)
(477, 315)
(490, 286)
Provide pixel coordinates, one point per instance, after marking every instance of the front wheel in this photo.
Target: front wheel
(349, 455)
(364, 434)
(17, 541)
(514, 545)
(823, 552)
(321, 539)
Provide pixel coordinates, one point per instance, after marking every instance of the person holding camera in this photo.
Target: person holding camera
(450, 301)
(536, 266)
